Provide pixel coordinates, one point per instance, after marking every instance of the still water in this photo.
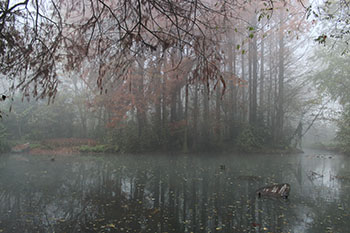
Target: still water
(173, 193)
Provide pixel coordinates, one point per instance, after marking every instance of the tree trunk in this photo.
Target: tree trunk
(158, 111)
(280, 101)
(232, 104)
(164, 130)
(270, 106)
(185, 142)
(195, 116)
(80, 107)
(140, 110)
(250, 83)
(262, 77)
(244, 104)
(206, 121)
(180, 112)
(218, 113)
(254, 75)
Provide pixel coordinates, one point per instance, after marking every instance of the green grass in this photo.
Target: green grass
(98, 149)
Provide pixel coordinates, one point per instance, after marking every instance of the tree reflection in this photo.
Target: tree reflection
(179, 194)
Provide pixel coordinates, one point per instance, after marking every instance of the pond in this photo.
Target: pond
(173, 193)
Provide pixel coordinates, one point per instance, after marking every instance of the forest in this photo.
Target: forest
(174, 116)
(185, 76)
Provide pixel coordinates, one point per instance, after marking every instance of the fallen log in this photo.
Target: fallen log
(278, 190)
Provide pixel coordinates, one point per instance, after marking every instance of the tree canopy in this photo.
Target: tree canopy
(40, 39)
(162, 67)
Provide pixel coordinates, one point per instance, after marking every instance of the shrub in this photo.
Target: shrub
(343, 134)
(252, 139)
(4, 143)
(98, 149)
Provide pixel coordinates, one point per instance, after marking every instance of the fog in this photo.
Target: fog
(248, 100)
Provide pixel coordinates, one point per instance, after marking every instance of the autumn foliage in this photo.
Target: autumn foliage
(168, 74)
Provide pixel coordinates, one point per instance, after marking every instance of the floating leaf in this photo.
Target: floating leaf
(111, 225)
(255, 224)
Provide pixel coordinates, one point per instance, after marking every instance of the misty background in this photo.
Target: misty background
(190, 76)
(174, 116)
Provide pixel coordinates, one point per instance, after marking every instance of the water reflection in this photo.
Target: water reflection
(173, 193)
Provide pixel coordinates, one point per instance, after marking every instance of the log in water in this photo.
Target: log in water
(278, 190)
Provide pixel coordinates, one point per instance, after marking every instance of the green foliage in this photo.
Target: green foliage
(40, 146)
(334, 80)
(343, 135)
(125, 137)
(130, 141)
(99, 149)
(251, 139)
(36, 120)
(330, 146)
(321, 39)
(4, 144)
(335, 22)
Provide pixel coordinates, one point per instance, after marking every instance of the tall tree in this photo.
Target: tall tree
(280, 100)
(254, 83)
(262, 77)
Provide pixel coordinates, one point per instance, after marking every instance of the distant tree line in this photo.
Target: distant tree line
(151, 75)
